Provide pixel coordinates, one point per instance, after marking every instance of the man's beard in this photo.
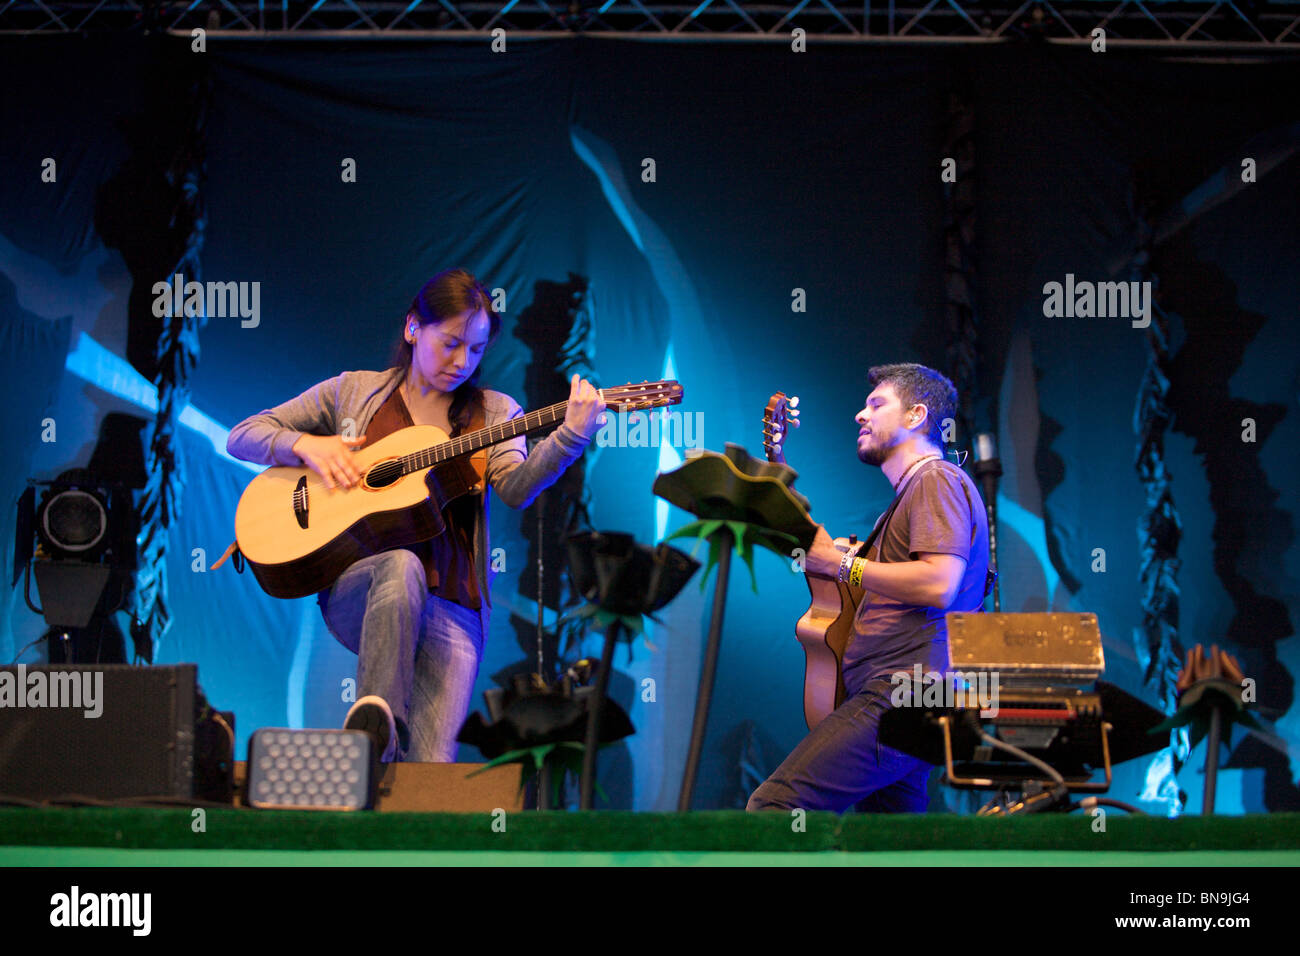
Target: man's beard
(873, 454)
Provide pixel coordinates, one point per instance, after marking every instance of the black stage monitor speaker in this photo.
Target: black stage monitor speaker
(107, 732)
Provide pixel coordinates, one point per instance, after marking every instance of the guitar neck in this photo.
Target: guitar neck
(485, 437)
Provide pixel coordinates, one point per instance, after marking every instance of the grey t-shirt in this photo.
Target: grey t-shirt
(939, 511)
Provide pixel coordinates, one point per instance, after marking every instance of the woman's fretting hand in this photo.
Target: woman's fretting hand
(330, 456)
(585, 412)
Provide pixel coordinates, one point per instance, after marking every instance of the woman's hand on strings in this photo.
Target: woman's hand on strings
(330, 456)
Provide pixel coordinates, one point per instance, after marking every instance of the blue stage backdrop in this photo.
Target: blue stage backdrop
(748, 219)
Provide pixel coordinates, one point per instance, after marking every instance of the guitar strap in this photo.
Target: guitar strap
(231, 552)
(883, 521)
(478, 460)
(880, 526)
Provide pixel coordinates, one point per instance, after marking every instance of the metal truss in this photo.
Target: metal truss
(1217, 24)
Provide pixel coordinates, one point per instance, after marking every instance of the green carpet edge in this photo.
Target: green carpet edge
(610, 831)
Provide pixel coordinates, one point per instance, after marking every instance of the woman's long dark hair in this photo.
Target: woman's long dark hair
(450, 293)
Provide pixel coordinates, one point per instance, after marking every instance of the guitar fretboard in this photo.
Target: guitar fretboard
(483, 438)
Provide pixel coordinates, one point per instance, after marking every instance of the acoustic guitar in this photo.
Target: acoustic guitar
(826, 628)
(298, 535)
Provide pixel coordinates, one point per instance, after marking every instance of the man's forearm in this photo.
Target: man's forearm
(911, 582)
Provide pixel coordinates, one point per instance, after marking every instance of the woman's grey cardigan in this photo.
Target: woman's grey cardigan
(348, 402)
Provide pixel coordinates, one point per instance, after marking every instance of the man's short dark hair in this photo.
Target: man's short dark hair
(918, 385)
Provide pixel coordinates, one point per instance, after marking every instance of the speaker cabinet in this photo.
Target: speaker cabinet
(108, 732)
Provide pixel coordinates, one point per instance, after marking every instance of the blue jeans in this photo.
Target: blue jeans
(414, 649)
(842, 763)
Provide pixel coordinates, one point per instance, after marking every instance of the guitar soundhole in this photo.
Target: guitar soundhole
(383, 474)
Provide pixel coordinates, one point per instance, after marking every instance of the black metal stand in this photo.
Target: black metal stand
(1212, 760)
(595, 704)
(988, 472)
(1212, 704)
(544, 786)
(710, 669)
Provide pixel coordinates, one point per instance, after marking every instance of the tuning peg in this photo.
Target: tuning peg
(793, 402)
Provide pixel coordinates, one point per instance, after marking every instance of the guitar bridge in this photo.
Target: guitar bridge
(300, 502)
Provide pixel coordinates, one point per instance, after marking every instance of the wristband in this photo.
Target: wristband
(855, 575)
(843, 573)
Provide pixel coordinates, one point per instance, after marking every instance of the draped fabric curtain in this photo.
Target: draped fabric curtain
(754, 218)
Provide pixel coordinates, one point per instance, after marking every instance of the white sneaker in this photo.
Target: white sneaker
(373, 715)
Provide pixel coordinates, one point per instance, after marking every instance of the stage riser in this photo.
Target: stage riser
(438, 788)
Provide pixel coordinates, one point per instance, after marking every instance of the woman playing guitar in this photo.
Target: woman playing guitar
(416, 616)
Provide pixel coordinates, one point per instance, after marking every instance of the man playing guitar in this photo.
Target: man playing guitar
(929, 558)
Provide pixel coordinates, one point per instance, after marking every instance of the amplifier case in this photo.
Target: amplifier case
(1035, 648)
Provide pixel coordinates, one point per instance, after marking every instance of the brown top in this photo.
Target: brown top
(448, 558)
(939, 512)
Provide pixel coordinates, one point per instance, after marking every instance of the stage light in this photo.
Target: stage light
(79, 542)
(73, 522)
(311, 770)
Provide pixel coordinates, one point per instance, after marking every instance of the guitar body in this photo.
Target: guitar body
(825, 631)
(826, 628)
(298, 535)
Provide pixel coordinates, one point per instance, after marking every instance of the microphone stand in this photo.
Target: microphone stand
(988, 469)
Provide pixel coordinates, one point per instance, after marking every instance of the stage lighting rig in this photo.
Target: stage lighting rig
(312, 770)
(80, 540)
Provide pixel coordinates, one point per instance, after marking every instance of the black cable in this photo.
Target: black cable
(121, 594)
(24, 650)
(27, 590)
(11, 801)
(1087, 803)
(85, 800)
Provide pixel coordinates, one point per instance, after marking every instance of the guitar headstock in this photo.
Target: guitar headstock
(780, 415)
(631, 397)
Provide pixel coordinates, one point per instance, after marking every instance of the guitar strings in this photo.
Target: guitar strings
(481, 438)
(493, 434)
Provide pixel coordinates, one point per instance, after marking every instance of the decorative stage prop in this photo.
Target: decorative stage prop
(1013, 712)
(556, 728)
(543, 726)
(623, 581)
(741, 502)
(558, 328)
(1212, 696)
